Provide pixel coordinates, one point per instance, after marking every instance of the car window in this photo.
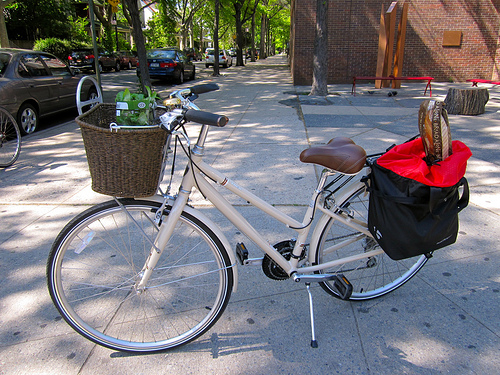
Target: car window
(56, 66)
(34, 65)
(4, 62)
(211, 52)
(158, 54)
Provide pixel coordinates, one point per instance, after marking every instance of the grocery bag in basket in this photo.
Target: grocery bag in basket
(413, 207)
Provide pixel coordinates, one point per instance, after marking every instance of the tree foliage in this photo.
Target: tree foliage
(243, 24)
(35, 19)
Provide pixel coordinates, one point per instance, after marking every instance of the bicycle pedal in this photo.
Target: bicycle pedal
(343, 286)
(241, 252)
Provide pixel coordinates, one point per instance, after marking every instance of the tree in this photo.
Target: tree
(4, 37)
(216, 38)
(160, 30)
(243, 11)
(320, 58)
(182, 12)
(133, 11)
(35, 19)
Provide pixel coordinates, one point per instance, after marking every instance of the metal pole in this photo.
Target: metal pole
(94, 43)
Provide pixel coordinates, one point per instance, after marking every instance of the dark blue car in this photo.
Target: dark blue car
(170, 63)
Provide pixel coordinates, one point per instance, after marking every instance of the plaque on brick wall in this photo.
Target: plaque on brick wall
(452, 38)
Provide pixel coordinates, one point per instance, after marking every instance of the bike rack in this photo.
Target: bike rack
(79, 103)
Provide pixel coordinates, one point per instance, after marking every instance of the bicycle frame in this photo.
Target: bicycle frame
(197, 172)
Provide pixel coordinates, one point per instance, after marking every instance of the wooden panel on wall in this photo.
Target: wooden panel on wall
(452, 38)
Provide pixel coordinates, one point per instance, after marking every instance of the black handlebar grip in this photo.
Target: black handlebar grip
(206, 118)
(207, 87)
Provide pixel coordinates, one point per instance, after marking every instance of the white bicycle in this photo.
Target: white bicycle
(151, 274)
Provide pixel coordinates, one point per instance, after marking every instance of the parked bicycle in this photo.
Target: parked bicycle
(150, 274)
(10, 139)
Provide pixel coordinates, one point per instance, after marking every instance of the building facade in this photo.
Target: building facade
(353, 29)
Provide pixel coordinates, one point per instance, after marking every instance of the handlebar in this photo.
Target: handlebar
(207, 87)
(191, 112)
(206, 118)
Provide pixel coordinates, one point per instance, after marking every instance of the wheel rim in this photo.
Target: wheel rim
(28, 120)
(104, 307)
(10, 140)
(370, 277)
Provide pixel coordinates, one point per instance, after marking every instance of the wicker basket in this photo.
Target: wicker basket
(123, 163)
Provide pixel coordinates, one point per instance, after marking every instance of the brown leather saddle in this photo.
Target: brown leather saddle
(339, 154)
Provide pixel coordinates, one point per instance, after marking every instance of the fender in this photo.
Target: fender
(213, 227)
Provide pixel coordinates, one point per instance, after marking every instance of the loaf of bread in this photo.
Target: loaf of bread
(435, 131)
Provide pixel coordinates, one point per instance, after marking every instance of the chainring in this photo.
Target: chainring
(273, 270)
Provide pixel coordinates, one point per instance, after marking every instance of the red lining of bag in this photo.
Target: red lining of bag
(407, 160)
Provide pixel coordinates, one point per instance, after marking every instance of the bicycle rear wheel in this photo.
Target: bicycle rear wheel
(10, 139)
(370, 277)
(97, 259)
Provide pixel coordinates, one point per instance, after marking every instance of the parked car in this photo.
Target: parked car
(225, 58)
(169, 62)
(192, 54)
(128, 59)
(83, 59)
(35, 84)
(249, 53)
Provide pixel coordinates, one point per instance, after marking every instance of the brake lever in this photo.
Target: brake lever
(169, 120)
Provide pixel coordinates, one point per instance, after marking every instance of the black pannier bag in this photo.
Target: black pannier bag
(413, 207)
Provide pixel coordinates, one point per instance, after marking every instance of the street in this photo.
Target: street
(113, 82)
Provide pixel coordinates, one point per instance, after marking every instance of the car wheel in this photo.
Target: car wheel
(207, 65)
(180, 79)
(92, 94)
(27, 118)
(117, 66)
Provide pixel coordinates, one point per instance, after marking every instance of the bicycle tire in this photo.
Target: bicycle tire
(370, 277)
(98, 257)
(10, 139)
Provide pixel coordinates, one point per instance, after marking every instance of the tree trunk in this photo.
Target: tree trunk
(139, 43)
(469, 101)
(263, 28)
(320, 58)
(253, 38)
(4, 37)
(216, 39)
(239, 32)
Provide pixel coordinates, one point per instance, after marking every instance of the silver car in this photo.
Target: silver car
(35, 84)
(225, 58)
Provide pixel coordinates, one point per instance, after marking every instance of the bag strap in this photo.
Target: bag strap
(434, 197)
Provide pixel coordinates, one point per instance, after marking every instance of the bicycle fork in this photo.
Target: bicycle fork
(165, 232)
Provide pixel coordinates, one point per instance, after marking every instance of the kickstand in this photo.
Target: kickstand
(314, 343)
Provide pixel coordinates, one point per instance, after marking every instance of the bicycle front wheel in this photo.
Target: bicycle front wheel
(370, 277)
(10, 139)
(98, 257)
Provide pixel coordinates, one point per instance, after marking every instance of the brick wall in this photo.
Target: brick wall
(353, 39)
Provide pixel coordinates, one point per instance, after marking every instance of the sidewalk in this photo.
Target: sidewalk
(445, 320)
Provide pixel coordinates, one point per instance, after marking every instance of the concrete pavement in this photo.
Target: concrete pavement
(445, 320)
